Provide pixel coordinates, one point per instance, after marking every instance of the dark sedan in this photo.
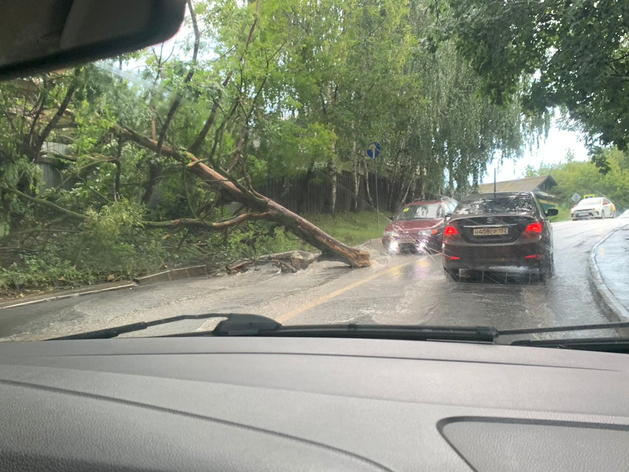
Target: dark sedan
(505, 229)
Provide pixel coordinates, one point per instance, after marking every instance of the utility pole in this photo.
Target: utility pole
(373, 151)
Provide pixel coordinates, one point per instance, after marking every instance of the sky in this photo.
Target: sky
(551, 151)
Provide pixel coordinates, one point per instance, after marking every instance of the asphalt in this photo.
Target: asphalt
(404, 289)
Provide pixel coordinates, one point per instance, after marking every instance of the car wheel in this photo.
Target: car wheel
(552, 265)
(452, 274)
(547, 270)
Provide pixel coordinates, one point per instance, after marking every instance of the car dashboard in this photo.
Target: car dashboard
(278, 404)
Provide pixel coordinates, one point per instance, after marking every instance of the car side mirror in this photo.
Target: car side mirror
(552, 212)
(41, 36)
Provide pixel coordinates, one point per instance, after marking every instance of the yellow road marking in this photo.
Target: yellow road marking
(291, 314)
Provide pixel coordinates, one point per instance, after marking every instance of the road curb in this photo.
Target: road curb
(173, 274)
(62, 296)
(612, 307)
(165, 276)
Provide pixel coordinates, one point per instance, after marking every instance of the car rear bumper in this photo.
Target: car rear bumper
(486, 257)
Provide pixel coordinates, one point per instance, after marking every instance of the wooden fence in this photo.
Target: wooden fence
(308, 195)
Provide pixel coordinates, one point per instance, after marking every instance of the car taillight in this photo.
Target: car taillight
(450, 231)
(535, 228)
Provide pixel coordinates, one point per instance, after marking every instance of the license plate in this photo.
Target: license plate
(407, 241)
(491, 231)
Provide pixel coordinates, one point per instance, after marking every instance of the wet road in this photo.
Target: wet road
(404, 289)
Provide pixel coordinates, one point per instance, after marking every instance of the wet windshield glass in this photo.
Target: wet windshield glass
(302, 160)
(421, 212)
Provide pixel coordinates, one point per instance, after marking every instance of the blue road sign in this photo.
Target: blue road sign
(373, 150)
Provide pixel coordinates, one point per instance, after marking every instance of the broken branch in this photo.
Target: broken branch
(331, 248)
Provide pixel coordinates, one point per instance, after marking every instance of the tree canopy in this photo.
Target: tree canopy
(573, 54)
(584, 178)
(136, 158)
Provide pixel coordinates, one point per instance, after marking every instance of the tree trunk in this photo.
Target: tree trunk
(151, 183)
(404, 194)
(419, 187)
(118, 165)
(355, 181)
(367, 185)
(330, 248)
(329, 203)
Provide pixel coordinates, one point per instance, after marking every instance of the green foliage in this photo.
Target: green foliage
(352, 228)
(564, 213)
(41, 272)
(282, 87)
(584, 178)
(573, 54)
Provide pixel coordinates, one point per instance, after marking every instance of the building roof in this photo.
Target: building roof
(529, 184)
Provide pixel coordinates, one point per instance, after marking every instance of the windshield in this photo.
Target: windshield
(498, 204)
(421, 212)
(284, 159)
(590, 201)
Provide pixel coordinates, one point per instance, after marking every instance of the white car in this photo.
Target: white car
(599, 207)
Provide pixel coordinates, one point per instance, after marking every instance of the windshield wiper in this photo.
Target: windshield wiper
(256, 325)
(602, 344)
(252, 320)
(617, 345)
(563, 329)
(234, 327)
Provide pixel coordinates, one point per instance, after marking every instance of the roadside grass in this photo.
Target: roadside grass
(351, 228)
(52, 270)
(564, 214)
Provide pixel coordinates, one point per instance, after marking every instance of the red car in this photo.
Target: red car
(418, 227)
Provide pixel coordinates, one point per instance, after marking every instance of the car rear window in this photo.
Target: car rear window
(498, 204)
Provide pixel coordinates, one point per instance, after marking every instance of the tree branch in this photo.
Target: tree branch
(196, 146)
(194, 223)
(46, 203)
(300, 227)
(187, 79)
(62, 108)
(178, 223)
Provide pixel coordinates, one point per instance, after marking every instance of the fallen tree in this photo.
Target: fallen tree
(331, 248)
(260, 207)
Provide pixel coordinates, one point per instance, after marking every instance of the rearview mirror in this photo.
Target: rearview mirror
(38, 36)
(552, 212)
